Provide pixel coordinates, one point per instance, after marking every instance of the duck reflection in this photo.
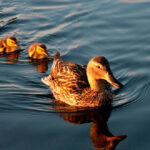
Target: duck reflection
(41, 65)
(12, 57)
(101, 137)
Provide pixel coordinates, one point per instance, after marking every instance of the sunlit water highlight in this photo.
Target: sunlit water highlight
(79, 30)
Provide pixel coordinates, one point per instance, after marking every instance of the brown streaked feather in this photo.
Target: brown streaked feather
(63, 68)
(78, 94)
(93, 98)
(67, 80)
(68, 83)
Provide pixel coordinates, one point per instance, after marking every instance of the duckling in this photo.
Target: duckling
(38, 51)
(82, 86)
(9, 44)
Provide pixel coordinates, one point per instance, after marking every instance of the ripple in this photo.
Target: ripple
(77, 14)
(135, 1)
(48, 7)
(8, 21)
(133, 91)
(59, 28)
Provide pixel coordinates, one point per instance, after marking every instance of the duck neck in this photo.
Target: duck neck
(96, 85)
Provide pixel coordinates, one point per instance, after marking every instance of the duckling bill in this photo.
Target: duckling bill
(8, 45)
(82, 86)
(38, 51)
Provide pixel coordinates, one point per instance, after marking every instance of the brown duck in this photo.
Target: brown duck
(82, 86)
(38, 51)
(8, 45)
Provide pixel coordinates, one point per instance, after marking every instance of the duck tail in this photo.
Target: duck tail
(46, 80)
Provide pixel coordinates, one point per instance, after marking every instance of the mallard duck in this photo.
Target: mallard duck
(9, 44)
(82, 86)
(38, 51)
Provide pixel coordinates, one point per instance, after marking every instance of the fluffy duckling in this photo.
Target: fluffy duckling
(82, 86)
(38, 51)
(9, 44)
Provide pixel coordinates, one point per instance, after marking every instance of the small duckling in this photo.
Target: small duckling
(9, 44)
(38, 51)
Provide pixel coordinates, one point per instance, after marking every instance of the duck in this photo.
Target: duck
(38, 51)
(83, 86)
(8, 45)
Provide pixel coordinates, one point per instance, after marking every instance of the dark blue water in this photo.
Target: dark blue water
(79, 30)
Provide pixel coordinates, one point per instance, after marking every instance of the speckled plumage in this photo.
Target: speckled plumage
(68, 83)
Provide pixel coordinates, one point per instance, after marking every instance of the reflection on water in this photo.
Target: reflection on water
(100, 135)
(11, 57)
(41, 65)
(80, 30)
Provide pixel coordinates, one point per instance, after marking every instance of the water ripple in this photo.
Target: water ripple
(79, 31)
(7, 22)
(135, 1)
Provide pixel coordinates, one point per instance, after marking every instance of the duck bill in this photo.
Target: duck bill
(17, 46)
(113, 81)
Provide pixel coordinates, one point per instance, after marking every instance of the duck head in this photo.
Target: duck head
(38, 51)
(98, 68)
(41, 50)
(12, 42)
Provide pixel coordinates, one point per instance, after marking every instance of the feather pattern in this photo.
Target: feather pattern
(69, 82)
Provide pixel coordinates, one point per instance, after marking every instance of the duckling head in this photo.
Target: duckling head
(42, 50)
(12, 42)
(98, 68)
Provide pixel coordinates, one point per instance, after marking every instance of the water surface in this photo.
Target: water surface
(79, 30)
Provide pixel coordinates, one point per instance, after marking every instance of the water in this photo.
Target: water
(79, 30)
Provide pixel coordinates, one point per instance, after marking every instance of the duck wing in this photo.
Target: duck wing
(69, 76)
(66, 78)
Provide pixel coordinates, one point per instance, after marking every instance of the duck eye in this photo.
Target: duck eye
(98, 67)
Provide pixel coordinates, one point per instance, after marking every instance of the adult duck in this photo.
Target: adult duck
(38, 51)
(82, 86)
(8, 45)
